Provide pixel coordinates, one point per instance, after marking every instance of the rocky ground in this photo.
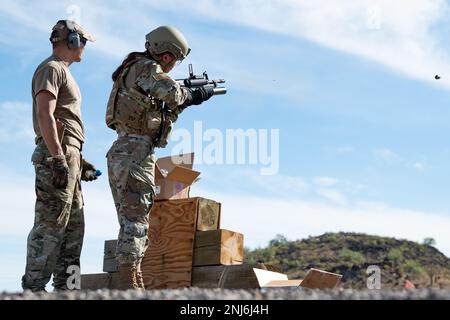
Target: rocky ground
(220, 294)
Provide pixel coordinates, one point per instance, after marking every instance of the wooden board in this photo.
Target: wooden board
(318, 279)
(97, 281)
(167, 262)
(229, 277)
(218, 247)
(208, 214)
(282, 283)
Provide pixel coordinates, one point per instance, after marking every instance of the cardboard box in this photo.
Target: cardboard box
(174, 177)
(314, 279)
(319, 279)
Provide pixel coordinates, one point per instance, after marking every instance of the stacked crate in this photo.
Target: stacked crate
(185, 243)
(188, 248)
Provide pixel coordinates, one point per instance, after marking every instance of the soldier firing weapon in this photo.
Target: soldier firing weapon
(197, 81)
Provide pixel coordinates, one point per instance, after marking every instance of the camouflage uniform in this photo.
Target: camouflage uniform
(142, 107)
(56, 238)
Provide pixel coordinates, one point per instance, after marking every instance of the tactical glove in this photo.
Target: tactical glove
(198, 96)
(60, 171)
(202, 94)
(88, 171)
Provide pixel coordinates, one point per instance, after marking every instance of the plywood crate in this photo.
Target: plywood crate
(218, 247)
(173, 224)
(208, 214)
(208, 211)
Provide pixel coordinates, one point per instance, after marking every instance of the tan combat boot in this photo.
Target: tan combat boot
(128, 276)
(140, 279)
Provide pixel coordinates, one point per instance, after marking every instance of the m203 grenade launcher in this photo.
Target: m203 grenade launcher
(197, 81)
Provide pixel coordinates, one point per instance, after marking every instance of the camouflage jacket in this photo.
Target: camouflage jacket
(145, 101)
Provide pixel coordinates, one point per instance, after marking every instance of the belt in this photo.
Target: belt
(136, 136)
(66, 140)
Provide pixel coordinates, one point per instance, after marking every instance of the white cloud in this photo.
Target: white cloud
(333, 195)
(344, 149)
(15, 119)
(403, 38)
(325, 181)
(419, 166)
(287, 186)
(387, 155)
(398, 34)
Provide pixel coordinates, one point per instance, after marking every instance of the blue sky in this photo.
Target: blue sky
(363, 124)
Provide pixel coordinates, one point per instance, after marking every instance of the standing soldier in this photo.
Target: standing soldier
(56, 238)
(143, 104)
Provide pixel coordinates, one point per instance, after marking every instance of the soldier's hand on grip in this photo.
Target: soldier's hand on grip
(60, 171)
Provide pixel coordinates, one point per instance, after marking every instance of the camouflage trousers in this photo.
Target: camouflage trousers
(131, 167)
(56, 238)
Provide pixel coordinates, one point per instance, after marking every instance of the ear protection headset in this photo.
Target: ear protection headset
(73, 38)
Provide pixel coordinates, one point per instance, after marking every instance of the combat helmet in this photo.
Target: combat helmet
(167, 39)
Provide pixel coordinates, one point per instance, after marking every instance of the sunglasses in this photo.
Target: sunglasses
(83, 40)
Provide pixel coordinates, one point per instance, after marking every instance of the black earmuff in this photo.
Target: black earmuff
(73, 38)
(74, 41)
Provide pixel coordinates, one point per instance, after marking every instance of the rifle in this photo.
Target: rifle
(197, 81)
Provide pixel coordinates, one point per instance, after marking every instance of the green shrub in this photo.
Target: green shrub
(350, 256)
(395, 255)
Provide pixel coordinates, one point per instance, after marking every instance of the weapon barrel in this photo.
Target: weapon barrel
(218, 91)
(217, 81)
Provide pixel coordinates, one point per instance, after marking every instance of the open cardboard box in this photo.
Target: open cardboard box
(314, 279)
(174, 177)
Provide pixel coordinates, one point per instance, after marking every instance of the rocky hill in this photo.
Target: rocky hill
(350, 254)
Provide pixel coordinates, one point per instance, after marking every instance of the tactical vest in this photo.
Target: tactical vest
(135, 112)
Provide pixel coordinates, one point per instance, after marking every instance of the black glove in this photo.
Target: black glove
(60, 171)
(198, 96)
(88, 171)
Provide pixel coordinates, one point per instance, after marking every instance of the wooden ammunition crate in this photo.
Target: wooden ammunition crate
(172, 227)
(218, 247)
